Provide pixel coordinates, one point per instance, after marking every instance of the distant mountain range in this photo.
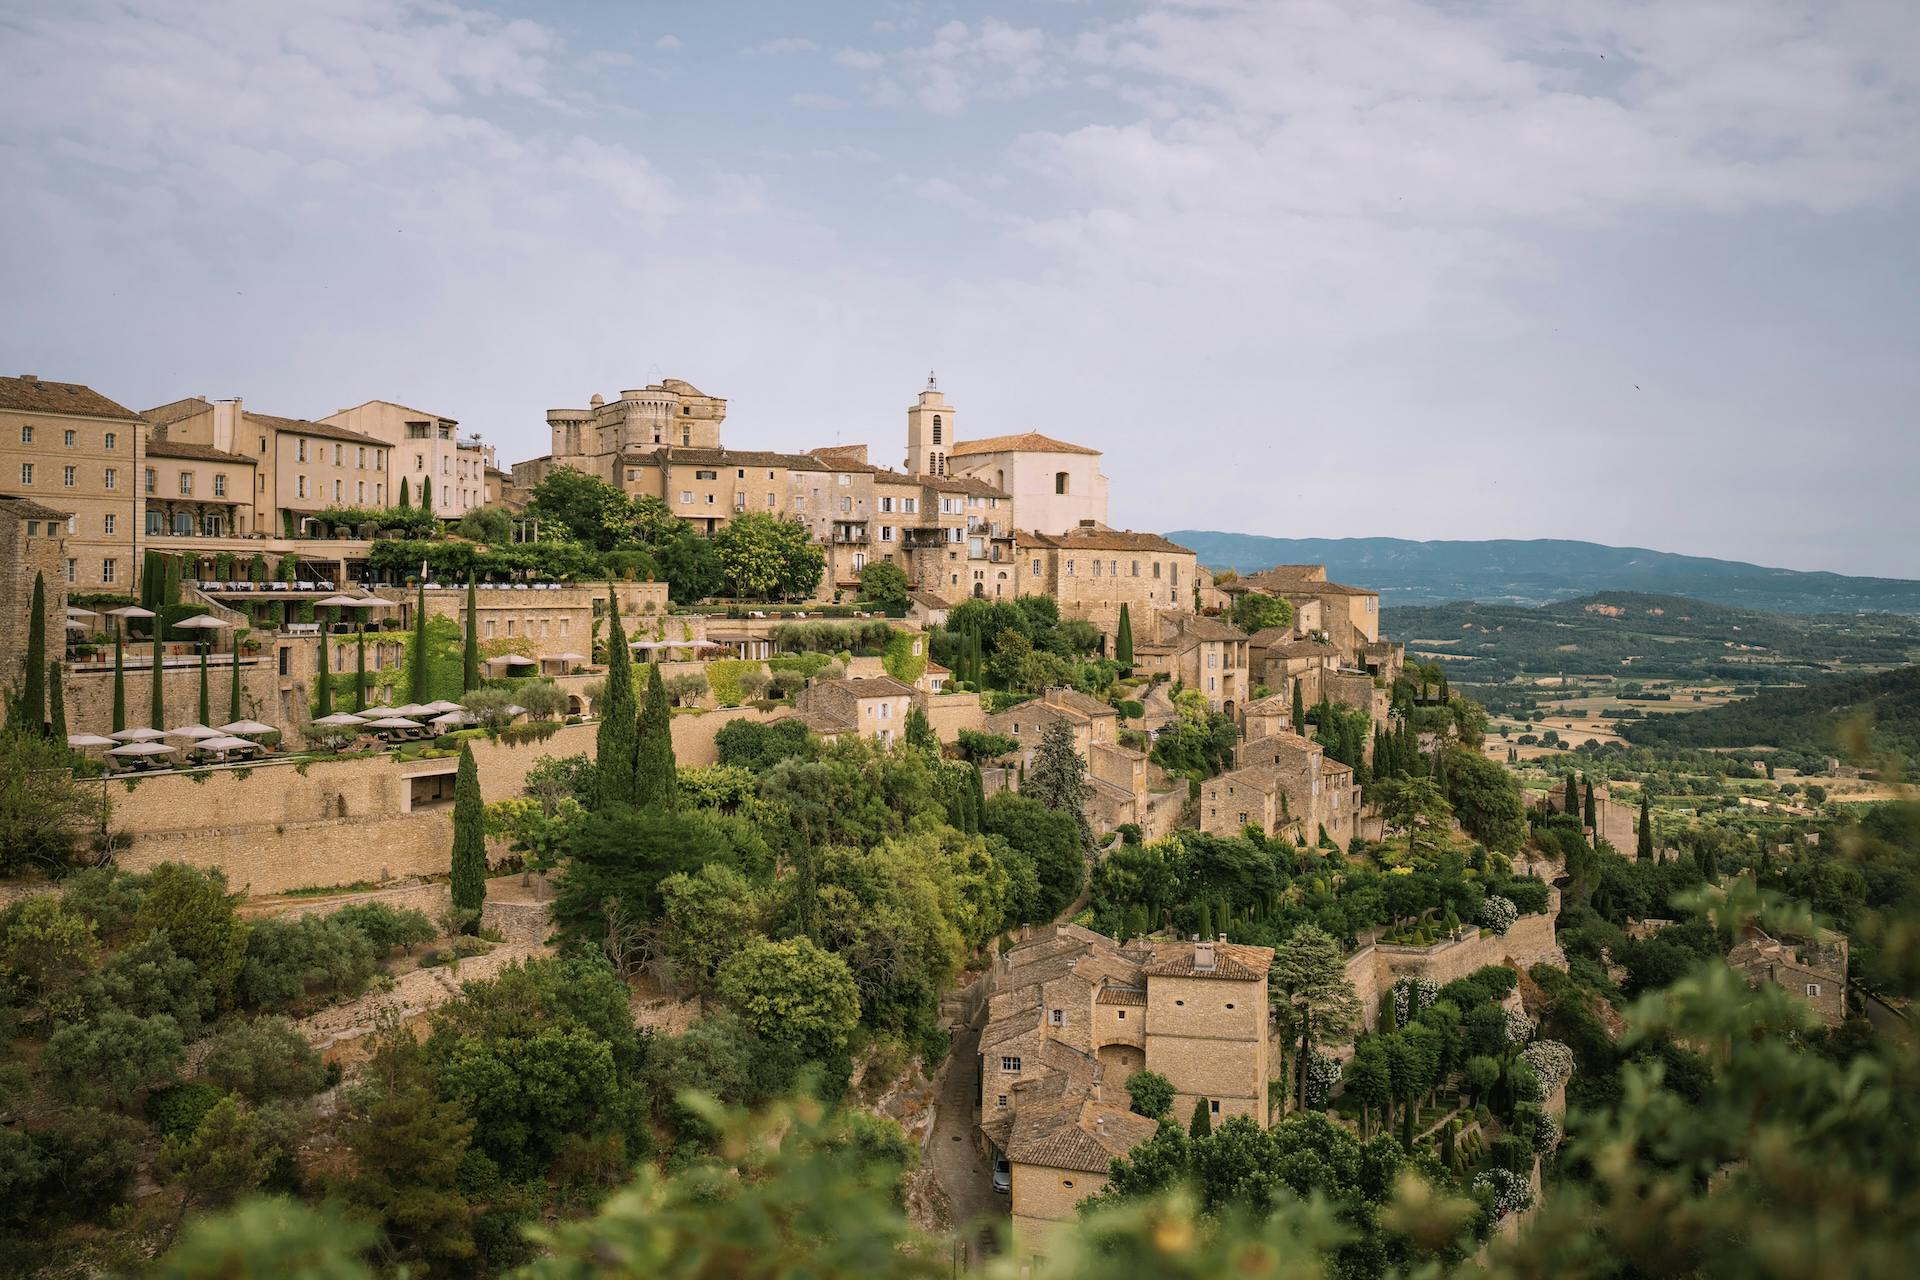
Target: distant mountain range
(1544, 570)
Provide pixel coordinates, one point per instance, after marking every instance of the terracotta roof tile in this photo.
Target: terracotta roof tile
(70, 399)
(303, 427)
(161, 447)
(1024, 442)
(1101, 539)
(1232, 961)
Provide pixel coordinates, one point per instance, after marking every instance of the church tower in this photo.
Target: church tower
(929, 432)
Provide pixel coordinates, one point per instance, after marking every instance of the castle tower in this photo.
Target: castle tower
(929, 432)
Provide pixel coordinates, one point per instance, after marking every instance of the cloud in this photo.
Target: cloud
(860, 59)
(784, 44)
(669, 43)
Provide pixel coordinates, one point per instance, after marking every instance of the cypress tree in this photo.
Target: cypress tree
(157, 712)
(656, 776)
(33, 696)
(119, 684)
(406, 502)
(469, 879)
(206, 709)
(1588, 817)
(470, 653)
(1572, 805)
(1643, 847)
(1299, 708)
(1123, 639)
(616, 744)
(360, 676)
(426, 494)
(233, 685)
(324, 680)
(1201, 1125)
(56, 704)
(417, 682)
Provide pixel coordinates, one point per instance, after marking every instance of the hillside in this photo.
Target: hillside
(1809, 719)
(1543, 570)
(1636, 635)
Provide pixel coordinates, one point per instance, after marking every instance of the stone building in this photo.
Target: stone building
(1054, 485)
(70, 448)
(873, 707)
(1814, 968)
(1284, 785)
(425, 446)
(1126, 787)
(1208, 655)
(1071, 1014)
(300, 469)
(598, 438)
(1349, 617)
(1093, 570)
(1279, 659)
(32, 544)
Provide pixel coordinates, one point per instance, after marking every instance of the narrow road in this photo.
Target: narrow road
(954, 1156)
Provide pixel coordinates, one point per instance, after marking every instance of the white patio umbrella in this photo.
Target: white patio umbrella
(75, 611)
(343, 719)
(515, 660)
(452, 719)
(228, 744)
(514, 709)
(201, 622)
(443, 706)
(406, 709)
(193, 731)
(569, 657)
(142, 749)
(81, 740)
(246, 728)
(342, 602)
(648, 645)
(141, 734)
(74, 624)
(129, 611)
(391, 722)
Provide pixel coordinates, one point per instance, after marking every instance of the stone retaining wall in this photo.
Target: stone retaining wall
(1374, 968)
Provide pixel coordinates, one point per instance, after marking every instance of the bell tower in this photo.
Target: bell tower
(929, 432)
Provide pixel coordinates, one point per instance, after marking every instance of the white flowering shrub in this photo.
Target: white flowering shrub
(1498, 913)
(1546, 1134)
(1323, 1072)
(1519, 1027)
(1412, 996)
(1511, 1192)
(1551, 1061)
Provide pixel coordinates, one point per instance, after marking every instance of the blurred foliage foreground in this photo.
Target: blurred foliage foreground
(1790, 1162)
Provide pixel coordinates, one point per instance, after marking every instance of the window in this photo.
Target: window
(1069, 568)
(446, 466)
(706, 475)
(1213, 1105)
(339, 488)
(109, 440)
(107, 569)
(152, 479)
(1000, 1100)
(220, 485)
(26, 473)
(1067, 1183)
(419, 462)
(108, 523)
(510, 622)
(155, 522)
(26, 435)
(886, 533)
(339, 454)
(936, 428)
(210, 526)
(1096, 568)
(182, 524)
(263, 444)
(1122, 1014)
(299, 450)
(1813, 988)
(1229, 1004)
(360, 458)
(186, 483)
(1036, 567)
(489, 628)
(300, 487)
(709, 499)
(1181, 1003)
(110, 478)
(73, 571)
(1136, 570)
(1011, 1064)
(886, 504)
(1156, 568)
(68, 475)
(67, 438)
(1058, 1017)
(1059, 482)
(844, 480)
(686, 497)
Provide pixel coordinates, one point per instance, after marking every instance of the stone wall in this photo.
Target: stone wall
(1374, 968)
(89, 692)
(949, 713)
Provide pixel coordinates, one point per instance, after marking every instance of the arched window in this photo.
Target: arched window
(211, 525)
(156, 523)
(183, 524)
(1059, 482)
(936, 428)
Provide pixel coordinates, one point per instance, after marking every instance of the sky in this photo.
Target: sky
(1641, 273)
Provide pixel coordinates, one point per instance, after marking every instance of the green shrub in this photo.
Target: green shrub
(288, 958)
(177, 1110)
(387, 927)
(265, 1059)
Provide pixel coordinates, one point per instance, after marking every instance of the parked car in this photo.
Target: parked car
(1002, 1174)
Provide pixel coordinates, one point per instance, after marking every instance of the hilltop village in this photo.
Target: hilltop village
(1073, 868)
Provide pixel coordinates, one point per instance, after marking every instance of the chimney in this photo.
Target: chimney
(226, 423)
(1203, 956)
(1100, 1125)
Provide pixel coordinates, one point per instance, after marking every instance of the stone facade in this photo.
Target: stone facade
(32, 544)
(1126, 786)
(869, 707)
(1812, 968)
(425, 445)
(1071, 1014)
(1092, 571)
(1374, 968)
(1286, 786)
(78, 453)
(593, 439)
(1208, 655)
(544, 624)
(1056, 486)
